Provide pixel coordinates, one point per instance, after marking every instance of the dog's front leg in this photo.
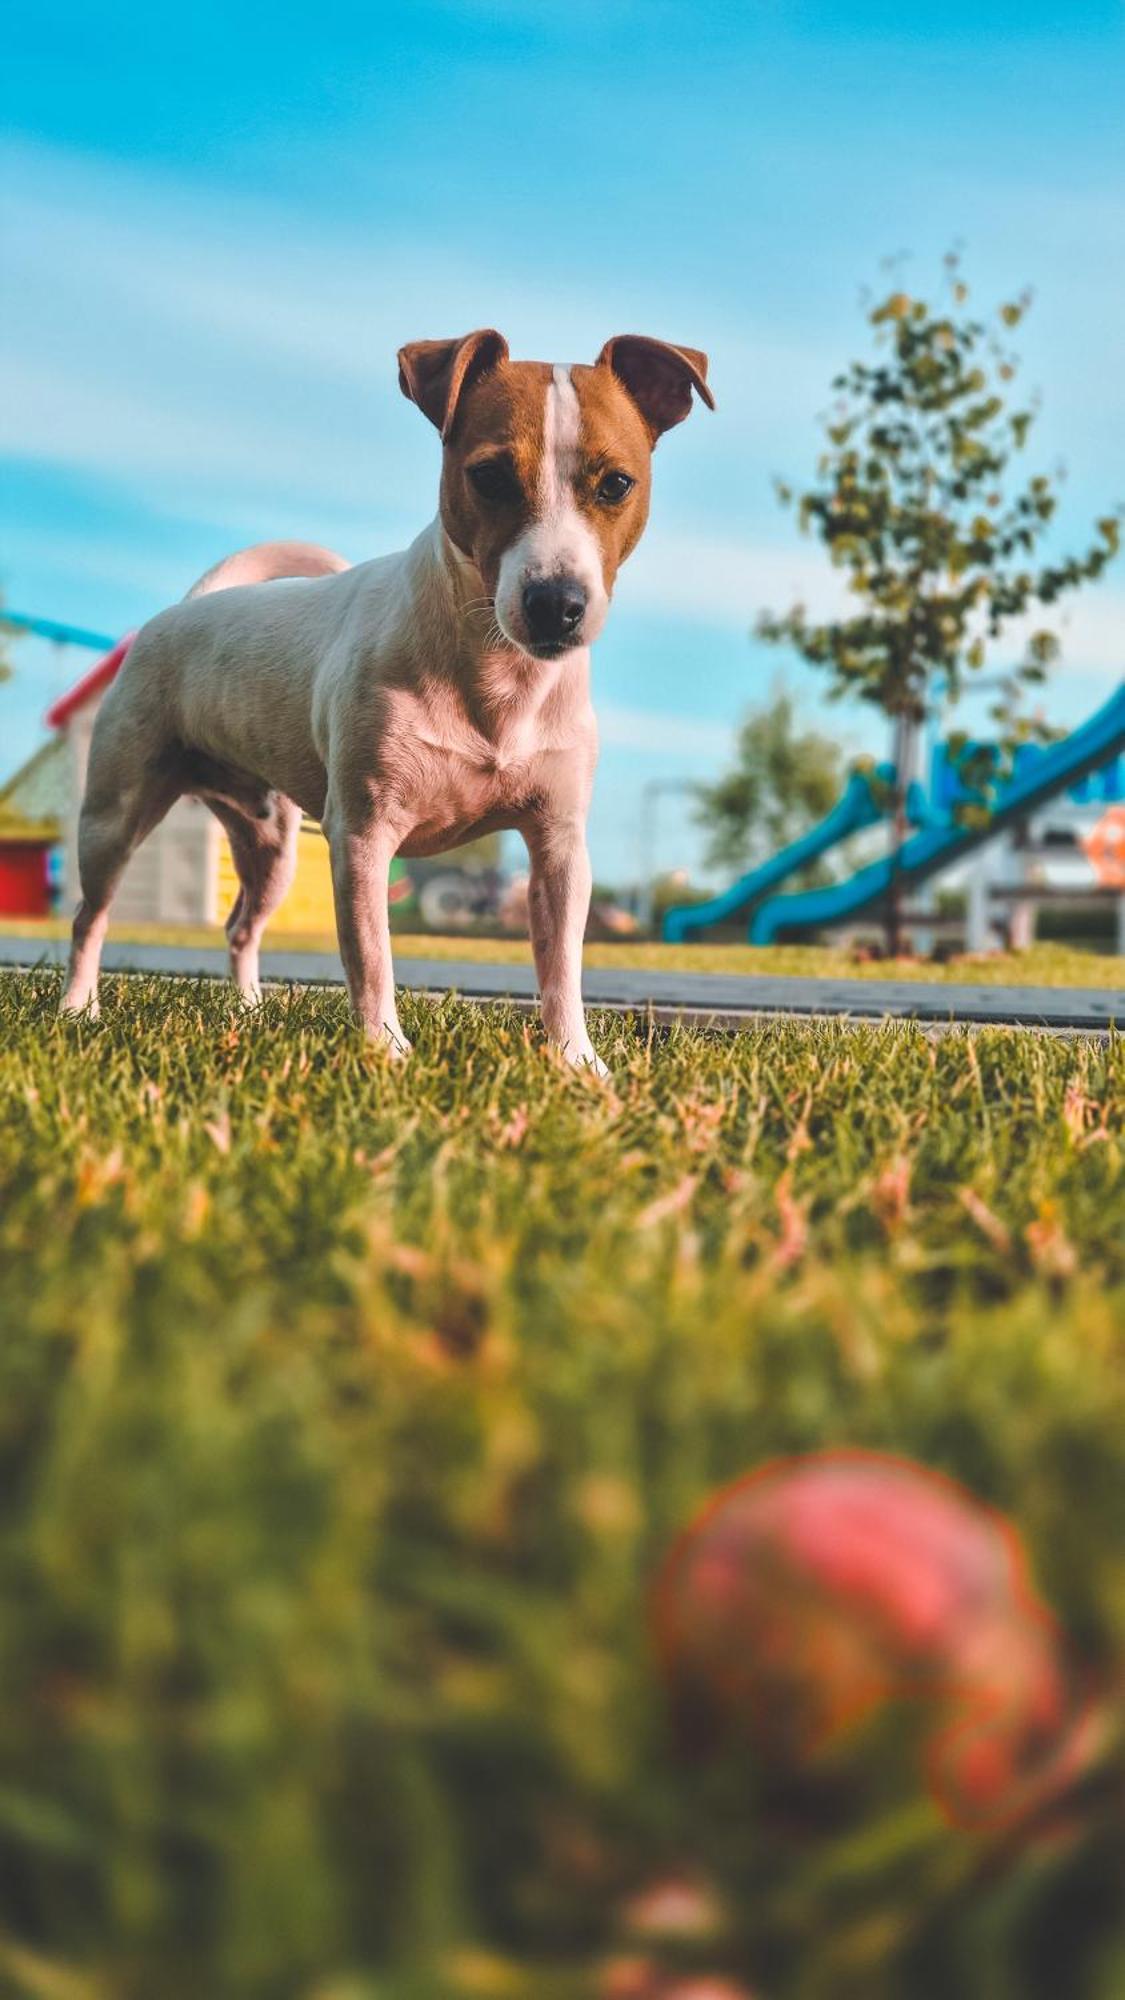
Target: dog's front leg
(558, 905)
(360, 868)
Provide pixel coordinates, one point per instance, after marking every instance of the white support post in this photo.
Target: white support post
(978, 935)
(926, 905)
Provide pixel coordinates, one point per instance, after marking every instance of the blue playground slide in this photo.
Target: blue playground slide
(1039, 775)
(853, 810)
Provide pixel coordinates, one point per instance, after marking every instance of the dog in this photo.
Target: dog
(412, 702)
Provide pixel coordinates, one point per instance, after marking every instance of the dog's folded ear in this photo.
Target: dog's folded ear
(435, 373)
(658, 376)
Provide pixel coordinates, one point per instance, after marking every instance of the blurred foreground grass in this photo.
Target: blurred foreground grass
(346, 1410)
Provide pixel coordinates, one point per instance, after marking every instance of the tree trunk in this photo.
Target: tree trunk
(905, 736)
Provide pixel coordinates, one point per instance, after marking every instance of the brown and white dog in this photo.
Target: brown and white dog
(412, 702)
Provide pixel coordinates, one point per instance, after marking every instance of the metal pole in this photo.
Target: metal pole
(651, 793)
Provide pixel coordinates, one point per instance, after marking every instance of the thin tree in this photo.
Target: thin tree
(916, 501)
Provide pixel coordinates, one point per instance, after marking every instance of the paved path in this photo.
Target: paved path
(726, 999)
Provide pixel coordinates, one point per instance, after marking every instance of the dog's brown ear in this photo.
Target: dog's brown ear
(658, 376)
(435, 373)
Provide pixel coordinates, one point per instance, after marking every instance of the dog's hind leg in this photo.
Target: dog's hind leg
(117, 813)
(265, 858)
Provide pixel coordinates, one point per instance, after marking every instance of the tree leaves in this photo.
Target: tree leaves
(919, 444)
(782, 782)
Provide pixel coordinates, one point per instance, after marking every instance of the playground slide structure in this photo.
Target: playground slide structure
(938, 842)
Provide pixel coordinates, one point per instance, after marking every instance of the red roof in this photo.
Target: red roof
(91, 684)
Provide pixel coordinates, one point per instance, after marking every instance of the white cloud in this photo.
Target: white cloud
(1090, 629)
(729, 582)
(646, 731)
(165, 336)
(235, 361)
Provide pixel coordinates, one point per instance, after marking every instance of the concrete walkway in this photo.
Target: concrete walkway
(724, 999)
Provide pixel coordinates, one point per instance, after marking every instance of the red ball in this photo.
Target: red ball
(817, 1589)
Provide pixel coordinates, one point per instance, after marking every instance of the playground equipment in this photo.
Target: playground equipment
(1089, 764)
(57, 633)
(1104, 848)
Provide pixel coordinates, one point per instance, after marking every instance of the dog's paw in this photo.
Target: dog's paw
(589, 1060)
(79, 1010)
(392, 1043)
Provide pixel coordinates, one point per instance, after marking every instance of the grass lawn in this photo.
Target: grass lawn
(347, 1409)
(1044, 965)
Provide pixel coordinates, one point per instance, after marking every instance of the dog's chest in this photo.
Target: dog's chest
(449, 782)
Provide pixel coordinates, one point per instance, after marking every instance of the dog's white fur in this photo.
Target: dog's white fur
(393, 701)
(372, 699)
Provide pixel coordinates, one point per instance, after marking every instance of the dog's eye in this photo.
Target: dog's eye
(494, 480)
(614, 488)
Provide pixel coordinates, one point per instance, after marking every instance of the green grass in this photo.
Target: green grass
(347, 1408)
(1043, 965)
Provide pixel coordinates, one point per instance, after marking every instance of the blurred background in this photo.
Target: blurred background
(215, 237)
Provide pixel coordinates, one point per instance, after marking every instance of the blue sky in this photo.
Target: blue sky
(219, 224)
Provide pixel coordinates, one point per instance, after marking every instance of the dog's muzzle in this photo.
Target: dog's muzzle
(553, 610)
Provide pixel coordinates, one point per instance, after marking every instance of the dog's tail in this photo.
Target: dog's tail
(267, 561)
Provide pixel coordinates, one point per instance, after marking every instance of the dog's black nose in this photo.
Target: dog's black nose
(553, 609)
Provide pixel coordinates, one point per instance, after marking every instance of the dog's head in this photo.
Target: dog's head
(545, 475)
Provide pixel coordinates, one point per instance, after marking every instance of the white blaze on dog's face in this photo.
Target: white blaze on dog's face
(551, 592)
(545, 478)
